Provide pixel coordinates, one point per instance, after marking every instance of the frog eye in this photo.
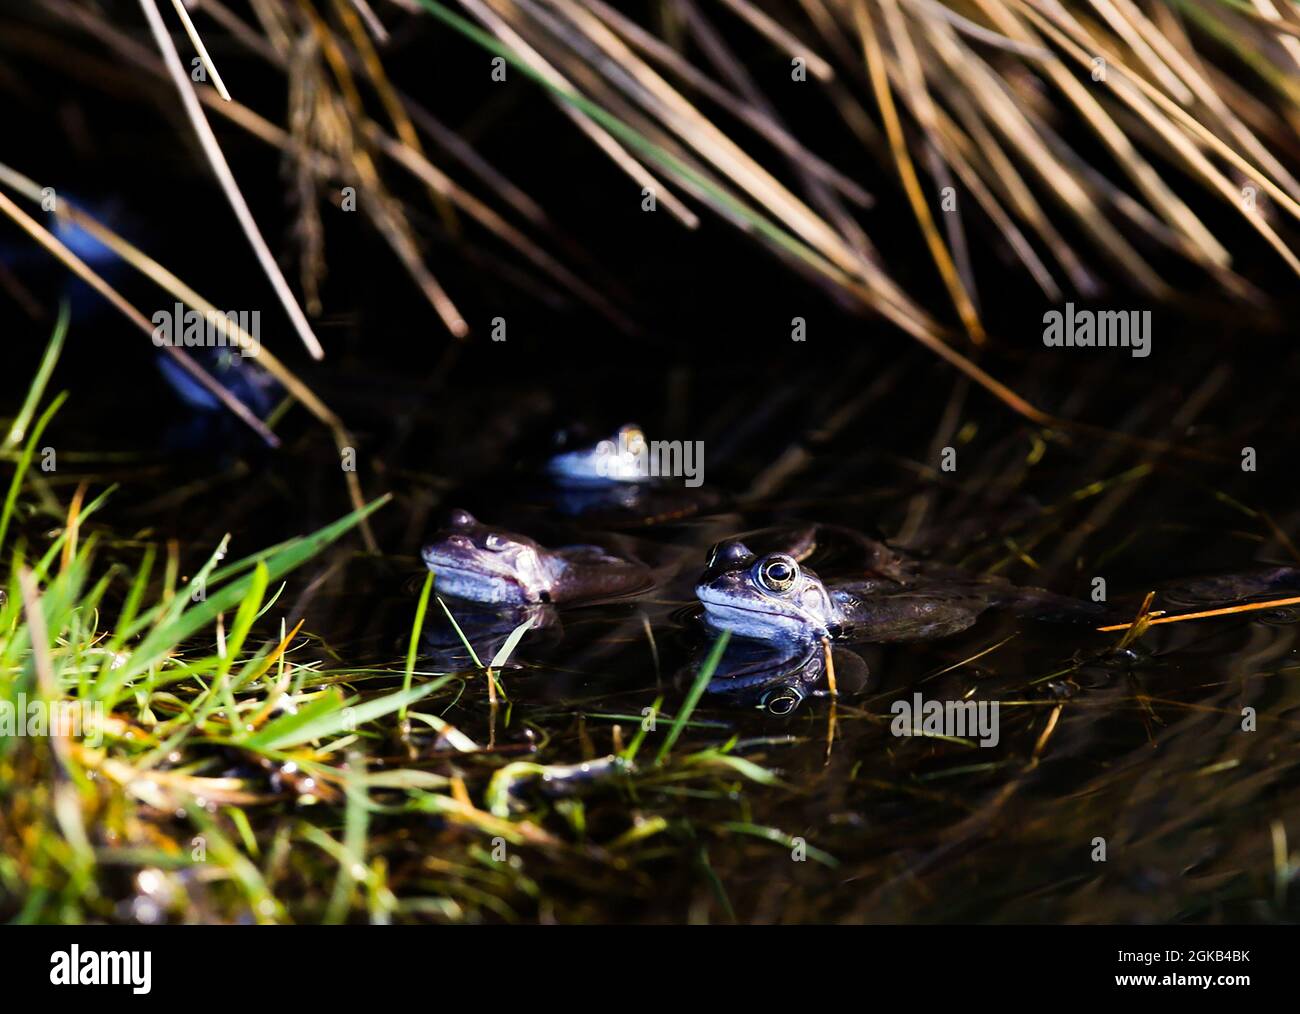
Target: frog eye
(461, 519)
(496, 543)
(632, 438)
(778, 573)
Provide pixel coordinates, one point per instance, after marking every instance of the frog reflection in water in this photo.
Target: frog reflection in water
(777, 678)
(487, 628)
(483, 564)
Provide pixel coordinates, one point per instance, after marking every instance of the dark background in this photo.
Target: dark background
(710, 357)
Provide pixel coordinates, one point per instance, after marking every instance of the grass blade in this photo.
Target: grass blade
(55, 346)
(420, 609)
(693, 697)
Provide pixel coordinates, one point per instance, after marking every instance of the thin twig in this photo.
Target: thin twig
(1249, 607)
(201, 49)
(208, 140)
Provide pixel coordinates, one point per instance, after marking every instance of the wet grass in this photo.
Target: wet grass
(217, 775)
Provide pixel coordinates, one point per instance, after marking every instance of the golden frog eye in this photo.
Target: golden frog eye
(633, 438)
(778, 573)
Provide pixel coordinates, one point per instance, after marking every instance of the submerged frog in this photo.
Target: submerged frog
(612, 461)
(617, 482)
(773, 597)
(42, 278)
(474, 561)
(237, 373)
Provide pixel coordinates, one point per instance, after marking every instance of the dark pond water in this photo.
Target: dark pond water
(1143, 749)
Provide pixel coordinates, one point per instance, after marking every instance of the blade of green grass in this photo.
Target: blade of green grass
(421, 608)
(334, 716)
(52, 349)
(156, 645)
(779, 837)
(24, 462)
(693, 697)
